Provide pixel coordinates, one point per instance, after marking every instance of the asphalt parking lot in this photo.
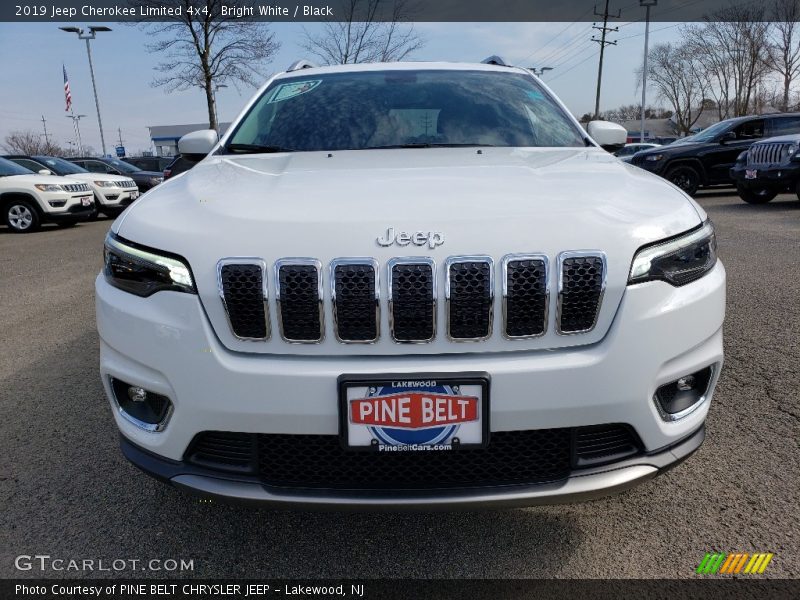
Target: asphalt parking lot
(66, 491)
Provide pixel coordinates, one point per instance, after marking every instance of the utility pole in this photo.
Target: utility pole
(647, 4)
(76, 120)
(603, 43)
(46, 135)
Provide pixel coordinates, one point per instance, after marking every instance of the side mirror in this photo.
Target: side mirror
(609, 136)
(728, 136)
(196, 145)
(45, 172)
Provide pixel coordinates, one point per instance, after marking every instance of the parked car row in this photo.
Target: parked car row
(723, 155)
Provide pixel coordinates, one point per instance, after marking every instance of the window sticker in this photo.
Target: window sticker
(290, 90)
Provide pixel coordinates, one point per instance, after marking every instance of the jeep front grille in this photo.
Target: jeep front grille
(299, 298)
(412, 299)
(76, 187)
(355, 297)
(469, 290)
(768, 154)
(581, 283)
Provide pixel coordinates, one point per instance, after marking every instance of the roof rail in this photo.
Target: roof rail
(494, 60)
(300, 64)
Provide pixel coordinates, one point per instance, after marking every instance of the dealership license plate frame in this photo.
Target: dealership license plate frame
(751, 173)
(346, 381)
(86, 201)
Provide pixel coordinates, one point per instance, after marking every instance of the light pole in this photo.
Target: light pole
(76, 123)
(93, 29)
(214, 99)
(541, 71)
(647, 4)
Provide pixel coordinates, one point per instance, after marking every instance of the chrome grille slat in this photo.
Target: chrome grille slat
(768, 154)
(355, 300)
(298, 296)
(412, 299)
(525, 295)
(581, 284)
(242, 286)
(469, 297)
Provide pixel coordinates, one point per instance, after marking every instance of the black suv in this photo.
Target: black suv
(144, 179)
(707, 157)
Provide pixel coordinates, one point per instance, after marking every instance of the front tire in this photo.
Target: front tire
(756, 195)
(21, 216)
(685, 177)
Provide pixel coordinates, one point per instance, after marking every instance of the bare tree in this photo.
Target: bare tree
(732, 46)
(784, 49)
(362, 36)
(675, 73)
(204, 49)
(31, 143)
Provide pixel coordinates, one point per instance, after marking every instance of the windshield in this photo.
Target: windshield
(405, 108)
(708, 135)
(8, 167)
(121, 165)
(59, 166)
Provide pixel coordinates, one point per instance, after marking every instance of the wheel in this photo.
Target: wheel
(756, 195)
(66, 224)
(685, 177)
(21, 216)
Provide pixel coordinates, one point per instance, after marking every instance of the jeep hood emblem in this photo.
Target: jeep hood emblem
(403, 238)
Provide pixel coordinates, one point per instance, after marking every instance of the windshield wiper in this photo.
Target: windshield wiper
(428, 145)
(255, 149)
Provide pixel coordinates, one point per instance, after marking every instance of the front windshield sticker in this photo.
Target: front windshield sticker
(290, 90)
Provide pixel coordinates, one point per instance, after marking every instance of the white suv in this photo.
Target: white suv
(28, 199)
(410, 285)
(112, 193)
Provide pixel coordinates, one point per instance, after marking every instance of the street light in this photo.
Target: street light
(646, 4)
(76, 123)
(93, 29)
(540, 72)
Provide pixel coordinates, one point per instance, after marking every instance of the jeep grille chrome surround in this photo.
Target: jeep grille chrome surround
(346, 303)
(354, 287)
(526, 295)
(581, 286)
(298, 285)
(470, 311)
(247, 314)
(410, 316)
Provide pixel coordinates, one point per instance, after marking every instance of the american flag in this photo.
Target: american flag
(67, 93)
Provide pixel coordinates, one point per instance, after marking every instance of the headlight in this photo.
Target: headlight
(742, 157)
(105, 183)
(48, 187)
(677, 261)
(156, 180)
(142, 271)
(654, 157)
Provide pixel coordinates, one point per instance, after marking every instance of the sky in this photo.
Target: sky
(31, 81)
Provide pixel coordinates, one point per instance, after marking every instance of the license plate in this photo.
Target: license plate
(134, 195)
(86, 201)
(750, 174)
(414, 413)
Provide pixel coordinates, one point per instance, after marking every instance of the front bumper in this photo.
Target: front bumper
(115, 197)
(778, 177)
(71, 212)
(165, 344)
(587, 484)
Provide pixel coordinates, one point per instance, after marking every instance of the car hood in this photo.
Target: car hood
(492, 201)
(144, 174)
(91, 177)
(36, 179)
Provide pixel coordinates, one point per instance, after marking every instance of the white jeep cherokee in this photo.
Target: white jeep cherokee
(409, 285)
(28, 199)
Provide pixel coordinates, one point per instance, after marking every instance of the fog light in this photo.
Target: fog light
(142, 407)
(137, 394)
(679, 398)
